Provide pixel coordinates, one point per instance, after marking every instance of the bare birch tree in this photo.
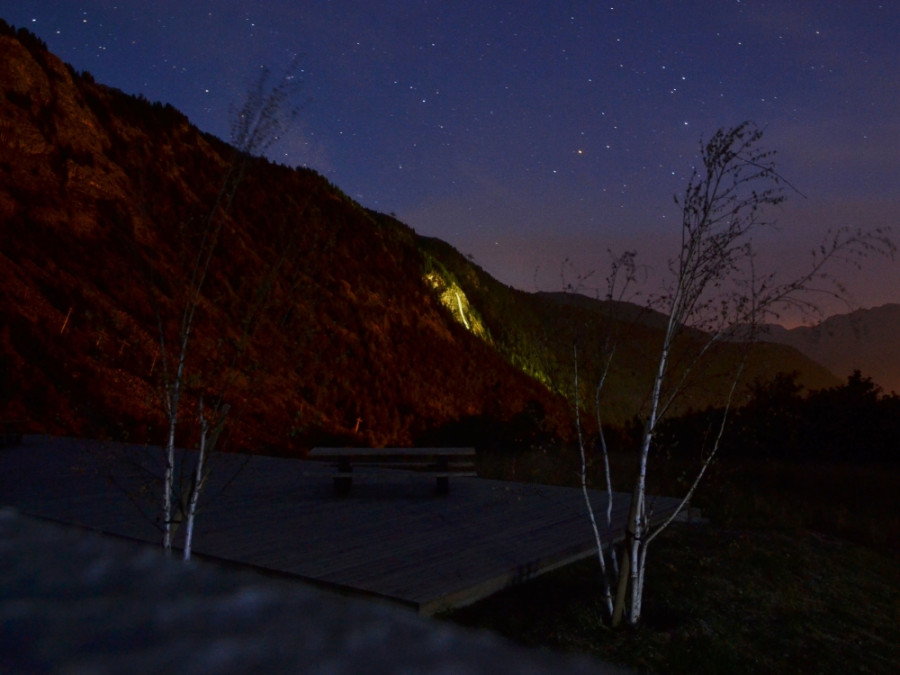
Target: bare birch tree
(621, 277)
(715, 287)
(264, 116)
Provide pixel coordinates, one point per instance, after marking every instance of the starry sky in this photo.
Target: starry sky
(531, 132)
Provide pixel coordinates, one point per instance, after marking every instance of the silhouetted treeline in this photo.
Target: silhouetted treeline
(854, 422)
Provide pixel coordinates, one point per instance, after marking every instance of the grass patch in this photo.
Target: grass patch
(722, 601)
(859, 503)
(797, 572)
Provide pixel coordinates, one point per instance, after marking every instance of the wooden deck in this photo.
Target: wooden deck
(392, 537)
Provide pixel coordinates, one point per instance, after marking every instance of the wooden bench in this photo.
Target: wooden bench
(440, 463)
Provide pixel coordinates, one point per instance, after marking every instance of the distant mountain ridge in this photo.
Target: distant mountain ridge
(867, 340)
(371, 334)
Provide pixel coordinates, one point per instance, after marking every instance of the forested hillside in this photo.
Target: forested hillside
(537, 332)
(318, 320)
(102, 201)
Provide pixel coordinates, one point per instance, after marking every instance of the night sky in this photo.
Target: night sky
(528, 132)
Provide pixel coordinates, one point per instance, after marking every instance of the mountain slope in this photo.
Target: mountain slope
(321, 321)
(537, 331)
(103, 198)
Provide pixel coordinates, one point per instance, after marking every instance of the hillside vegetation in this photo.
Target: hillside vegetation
(537, 331)
(363, 331)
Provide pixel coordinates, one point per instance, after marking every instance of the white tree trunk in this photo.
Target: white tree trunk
(197, 487)
(172, 400)
(632, 575)
(168, 487)
(601, 556)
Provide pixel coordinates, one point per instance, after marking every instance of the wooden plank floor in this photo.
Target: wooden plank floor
(392, 537)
